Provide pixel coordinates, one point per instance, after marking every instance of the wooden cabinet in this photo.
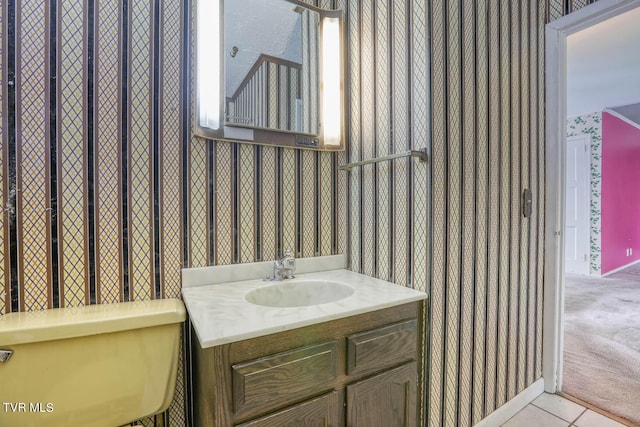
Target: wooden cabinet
(327, 410)
(385, 400)
(362, 370)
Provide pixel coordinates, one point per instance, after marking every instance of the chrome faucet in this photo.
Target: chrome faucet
(284, 267)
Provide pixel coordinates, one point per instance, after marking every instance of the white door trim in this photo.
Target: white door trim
(556, 33)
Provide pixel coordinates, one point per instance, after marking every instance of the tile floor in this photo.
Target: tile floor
(550, 410)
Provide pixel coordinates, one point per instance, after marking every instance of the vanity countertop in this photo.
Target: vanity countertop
(220, 313)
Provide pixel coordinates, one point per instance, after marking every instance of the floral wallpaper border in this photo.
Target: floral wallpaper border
(591, 124)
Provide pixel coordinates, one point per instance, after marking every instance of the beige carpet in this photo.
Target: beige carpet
(602, 341)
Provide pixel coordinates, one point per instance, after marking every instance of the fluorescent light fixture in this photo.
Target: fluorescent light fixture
(331, 81)
(208, 65)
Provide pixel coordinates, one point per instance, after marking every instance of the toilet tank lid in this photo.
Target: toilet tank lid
(71, 322)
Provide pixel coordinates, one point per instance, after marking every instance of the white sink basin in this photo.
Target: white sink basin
(299, 293)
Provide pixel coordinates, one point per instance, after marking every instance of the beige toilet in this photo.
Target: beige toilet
(99, 365)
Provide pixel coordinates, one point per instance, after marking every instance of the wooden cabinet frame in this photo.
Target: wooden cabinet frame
(380, 341)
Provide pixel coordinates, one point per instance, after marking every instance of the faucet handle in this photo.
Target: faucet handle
(289, 261)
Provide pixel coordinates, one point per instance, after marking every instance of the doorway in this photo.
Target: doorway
(562, 245)
(557, 238)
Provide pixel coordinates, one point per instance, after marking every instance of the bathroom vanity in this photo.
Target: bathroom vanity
(354, 361)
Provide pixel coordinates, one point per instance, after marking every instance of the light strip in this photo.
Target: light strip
(208, 65)
(331, 94)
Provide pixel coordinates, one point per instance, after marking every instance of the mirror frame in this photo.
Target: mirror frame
(256, 135)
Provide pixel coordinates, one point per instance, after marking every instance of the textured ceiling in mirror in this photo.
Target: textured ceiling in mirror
(255, 27)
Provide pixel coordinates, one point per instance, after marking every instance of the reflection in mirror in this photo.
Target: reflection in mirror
(271, 65)
(269, 72)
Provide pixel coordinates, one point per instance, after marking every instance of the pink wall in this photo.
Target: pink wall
(620, 192)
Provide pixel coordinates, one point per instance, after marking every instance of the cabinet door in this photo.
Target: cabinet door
(323, 411)
(284, 378)
(385, 400)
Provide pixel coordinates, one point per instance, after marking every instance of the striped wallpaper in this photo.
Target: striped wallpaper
(251, 203)
(106, 194)
(474, 98)
(92, 155)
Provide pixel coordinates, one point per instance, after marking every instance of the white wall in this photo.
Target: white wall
(603, 65)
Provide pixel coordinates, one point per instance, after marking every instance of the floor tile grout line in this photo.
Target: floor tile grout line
(558, 416)
(573, 423)
(550, 413)
(581, 414)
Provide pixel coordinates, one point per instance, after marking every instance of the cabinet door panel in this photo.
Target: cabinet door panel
(324, 411)
(385, 400)
(370, 351)
(284, 377)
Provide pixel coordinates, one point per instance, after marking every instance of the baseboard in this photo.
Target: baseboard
(512, 407)
(609, 273)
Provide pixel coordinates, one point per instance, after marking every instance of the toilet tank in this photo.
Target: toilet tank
(98, 365)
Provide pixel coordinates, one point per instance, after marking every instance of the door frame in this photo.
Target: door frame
(556, 34)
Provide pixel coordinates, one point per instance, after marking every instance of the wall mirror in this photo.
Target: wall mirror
(270, 72)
